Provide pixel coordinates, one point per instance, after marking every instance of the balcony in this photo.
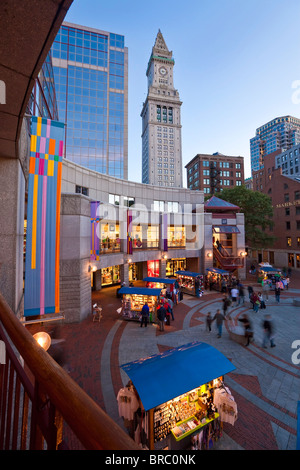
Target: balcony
(227, 261)
(38, 398)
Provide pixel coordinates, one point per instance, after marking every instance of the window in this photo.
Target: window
(173, 207)
(82, 190)
(288, 225)
(287, 211)
(297, 195)
(298, 224)
(286, 197)
(237, 165)
(159, 206)
(288, 241)
(128, 201)
(114, 199)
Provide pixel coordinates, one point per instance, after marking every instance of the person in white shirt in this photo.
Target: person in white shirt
(234, 294)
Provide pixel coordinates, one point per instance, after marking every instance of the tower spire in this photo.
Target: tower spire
(160, 46)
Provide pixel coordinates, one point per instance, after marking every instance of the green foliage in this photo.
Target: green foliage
(258, 211)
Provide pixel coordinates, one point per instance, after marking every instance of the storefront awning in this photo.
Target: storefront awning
(225, 229)
(188, 273)
(159, 280)
(165, 376)
(217, 271)
(140, 291)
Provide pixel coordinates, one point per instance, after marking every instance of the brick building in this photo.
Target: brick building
(284, 192)
(212, 173)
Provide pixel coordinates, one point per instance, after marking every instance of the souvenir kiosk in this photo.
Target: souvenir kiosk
(161, 283)
(133, 299)
(187, 281)
(181, 401)
(266, 272)
(215, 277)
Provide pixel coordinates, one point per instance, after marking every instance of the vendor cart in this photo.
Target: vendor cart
(133, 299)
(190, 283)
(181, 394)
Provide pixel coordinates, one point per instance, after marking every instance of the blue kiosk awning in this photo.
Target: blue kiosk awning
(217, 271)
(159, 280)
(165, 376)
(188, 273)
(269, 269)
(140, 291)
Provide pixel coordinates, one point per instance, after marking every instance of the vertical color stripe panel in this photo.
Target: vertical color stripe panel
(43, 244)
(34, 221)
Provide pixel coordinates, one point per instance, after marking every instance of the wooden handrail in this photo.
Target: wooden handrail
(93, 427)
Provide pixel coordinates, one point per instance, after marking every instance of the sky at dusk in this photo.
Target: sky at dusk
(237, 66)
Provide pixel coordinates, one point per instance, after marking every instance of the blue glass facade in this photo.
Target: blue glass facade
(90, 69)
(280, 133)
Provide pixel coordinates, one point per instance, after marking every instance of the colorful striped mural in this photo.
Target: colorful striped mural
(41, 294)
(95, 249)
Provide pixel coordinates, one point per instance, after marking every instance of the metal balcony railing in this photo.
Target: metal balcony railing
(227, 261)
(38, 397)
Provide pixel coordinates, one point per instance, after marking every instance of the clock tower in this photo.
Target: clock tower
(161, 121)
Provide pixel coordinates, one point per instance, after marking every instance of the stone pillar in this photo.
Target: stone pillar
(162, 268)
(124, 273)
(12, 211)
(75, 276)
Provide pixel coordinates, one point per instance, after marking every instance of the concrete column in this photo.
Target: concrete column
(13, 173)
(12, 203)
(124, 273)
(75, 276)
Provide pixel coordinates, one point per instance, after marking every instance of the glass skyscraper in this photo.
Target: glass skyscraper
(91, 79)
(280, 133)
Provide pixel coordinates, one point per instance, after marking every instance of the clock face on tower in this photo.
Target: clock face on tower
(163, 71)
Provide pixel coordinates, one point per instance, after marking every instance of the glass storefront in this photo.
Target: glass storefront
(110, 238)
(145, 236)
(110, 275)
(176, 264)
(176, 237)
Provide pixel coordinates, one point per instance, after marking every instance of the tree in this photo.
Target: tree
(258, 211)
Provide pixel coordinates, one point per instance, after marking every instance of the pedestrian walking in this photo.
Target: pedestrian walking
(226, 303)
(250, 291)
(219, 317)
(277, 294)
(241, 294)
(208, 322)
(266, 289)
(248, 328)
(145, 315)
(168, 312)
(268, 330)
(161, 315)
(234, 295)
(261, 300)
(171, 304)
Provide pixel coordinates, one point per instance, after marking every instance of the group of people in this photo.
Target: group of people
(164, 313)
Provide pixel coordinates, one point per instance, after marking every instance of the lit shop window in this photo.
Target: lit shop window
(176, 236)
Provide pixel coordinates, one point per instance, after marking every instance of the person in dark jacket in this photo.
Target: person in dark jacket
(145, 315)
(268, 332)
(219, 317)
(248, 329)
(161, 315)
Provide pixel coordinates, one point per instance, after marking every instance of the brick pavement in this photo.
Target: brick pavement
(265, 383)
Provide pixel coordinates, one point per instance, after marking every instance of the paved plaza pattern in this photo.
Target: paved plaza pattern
(265, 383)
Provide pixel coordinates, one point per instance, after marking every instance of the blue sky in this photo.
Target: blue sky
(235, 65)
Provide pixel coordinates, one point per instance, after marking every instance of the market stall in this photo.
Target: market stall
(187, 403)
(190, 283)
(167, 285)
(133, 299)
(215, 278)
(267, 273)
